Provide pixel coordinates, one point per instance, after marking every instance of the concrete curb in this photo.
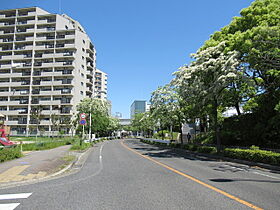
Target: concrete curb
(79, 161)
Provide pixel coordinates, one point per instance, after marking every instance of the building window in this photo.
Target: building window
(82, 93)
(84, 41)
(82, 83)
(83, 49)
(82, 75)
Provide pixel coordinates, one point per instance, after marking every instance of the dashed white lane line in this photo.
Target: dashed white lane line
(8, 206)
(14, 196)
(100, 153)
(11, 206)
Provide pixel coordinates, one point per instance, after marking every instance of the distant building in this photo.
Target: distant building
(125, 121)
(138, 106)
(100, 84)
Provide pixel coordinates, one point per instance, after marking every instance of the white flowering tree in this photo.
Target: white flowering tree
(205, 81)
(165, 107)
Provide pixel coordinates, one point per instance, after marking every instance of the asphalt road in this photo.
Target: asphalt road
(117, 177)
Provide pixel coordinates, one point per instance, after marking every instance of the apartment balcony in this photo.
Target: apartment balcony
(69, 46)
(25, 22)
(50, 29)
(46, 83)
(4, 103)
(6, 40)
(63, 37)
(5, 84)
(18, 57)
(5, 94)
(12, 112)
(7, 32)
(42, 21)
(19, 93)
(40, 47)
(50, 112)
(5, 66)
(57, 102)
(47, 64)
(45, 122)
(48, 93)
(11, 103)
(6, 48)
(9, 123)
(48, 74)
(16, 75)
(47, 56)
(62, 55)
(64, 64)
(4, 75)
(42, 38)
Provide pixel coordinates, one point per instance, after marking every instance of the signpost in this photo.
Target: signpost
(83, 122)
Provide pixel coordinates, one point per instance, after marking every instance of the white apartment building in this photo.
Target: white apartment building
(47, 66)
(100, 84)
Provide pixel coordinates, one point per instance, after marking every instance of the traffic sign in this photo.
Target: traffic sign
(83, 116)
(83, 122)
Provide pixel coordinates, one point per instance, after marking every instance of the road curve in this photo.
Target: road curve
(128, 174)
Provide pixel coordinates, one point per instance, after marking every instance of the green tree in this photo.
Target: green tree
(207, 78)
(101, 122)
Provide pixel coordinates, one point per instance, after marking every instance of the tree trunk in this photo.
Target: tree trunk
(237, 109)
(216, 126)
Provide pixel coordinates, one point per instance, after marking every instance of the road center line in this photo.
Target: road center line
(194, 179)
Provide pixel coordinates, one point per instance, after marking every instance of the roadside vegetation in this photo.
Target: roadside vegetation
(45, 144)
(252, 154)
(10, 153)
(237, 68)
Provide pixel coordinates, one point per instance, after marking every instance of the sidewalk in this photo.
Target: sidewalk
(34, 165)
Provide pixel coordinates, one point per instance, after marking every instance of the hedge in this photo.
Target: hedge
(253, 154)
(9, 154)
(262, 156)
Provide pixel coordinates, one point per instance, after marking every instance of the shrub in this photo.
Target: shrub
(45, 145)
(9, 154)
(207, 149)
(254, 155)
(80, 147)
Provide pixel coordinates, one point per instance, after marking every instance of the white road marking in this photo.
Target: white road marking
(14, 196)
(274, 177)
(100, 153)
(8, 206)
(11, 206)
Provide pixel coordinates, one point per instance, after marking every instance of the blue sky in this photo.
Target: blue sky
(141, 43)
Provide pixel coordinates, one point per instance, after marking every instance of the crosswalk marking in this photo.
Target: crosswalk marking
(14, 196)
(12, 206)
(9, 206)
